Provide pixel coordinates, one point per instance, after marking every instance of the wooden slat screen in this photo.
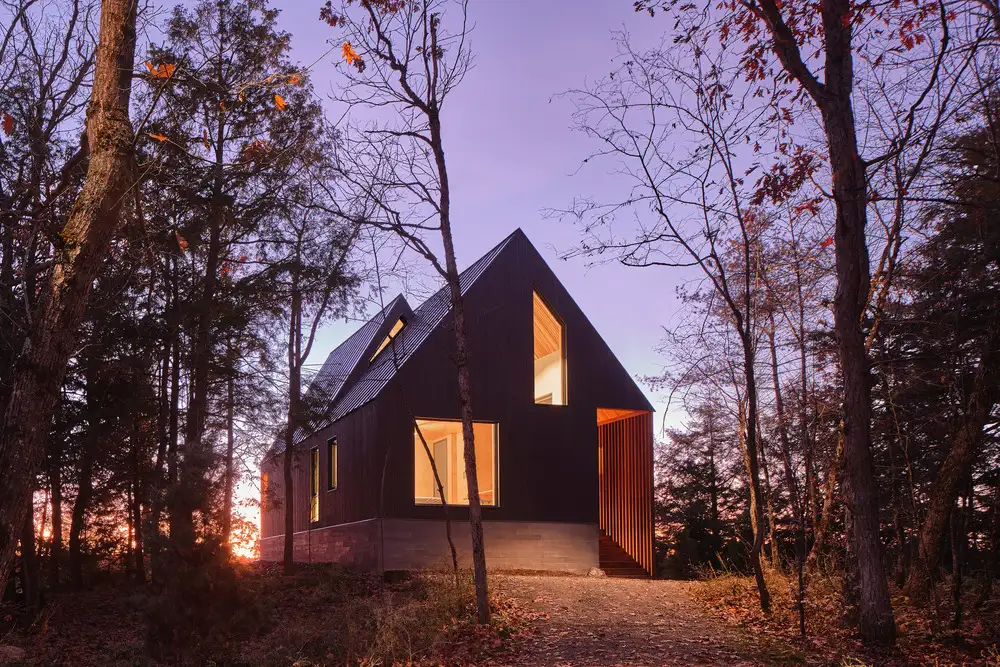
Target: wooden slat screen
(625, 472)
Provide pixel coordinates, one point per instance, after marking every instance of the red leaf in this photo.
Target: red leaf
(828, 241)
(8, 124)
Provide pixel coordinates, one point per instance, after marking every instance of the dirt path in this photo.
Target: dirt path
(608, 621)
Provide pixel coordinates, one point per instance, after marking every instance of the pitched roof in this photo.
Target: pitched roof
(344, 380)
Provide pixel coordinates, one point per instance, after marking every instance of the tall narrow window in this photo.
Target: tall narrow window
(550, 357)
(314, 484)
(393, 332)
(263, 491)
(331, 453)
(447, 448)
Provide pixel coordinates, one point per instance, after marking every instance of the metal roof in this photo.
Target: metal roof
(345, 382)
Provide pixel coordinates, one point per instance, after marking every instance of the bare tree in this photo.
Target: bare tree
(675, 121)
(407, 56)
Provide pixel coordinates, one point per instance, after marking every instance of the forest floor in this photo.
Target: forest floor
(326, 615)
(582, 621)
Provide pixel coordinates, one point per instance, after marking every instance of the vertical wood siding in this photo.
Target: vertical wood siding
(625, 465)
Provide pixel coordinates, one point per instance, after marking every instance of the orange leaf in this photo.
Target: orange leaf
(294, 80)
(204, 140)
(828, 241)
(181, 243)
(280, 102)
(349, 54)
(158, 137)
(161, 71)
(8, 124)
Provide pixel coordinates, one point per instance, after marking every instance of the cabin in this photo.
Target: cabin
(562, 434)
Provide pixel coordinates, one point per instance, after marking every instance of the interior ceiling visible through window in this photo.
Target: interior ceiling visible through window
(548, 330)
(396, 328)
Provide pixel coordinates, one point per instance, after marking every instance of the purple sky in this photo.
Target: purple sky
(511, 154)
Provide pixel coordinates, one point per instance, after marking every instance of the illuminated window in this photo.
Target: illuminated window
(314, 484)
(263, 490)
(550, 358)
(393, 332)
(446, 445)
(331, 454)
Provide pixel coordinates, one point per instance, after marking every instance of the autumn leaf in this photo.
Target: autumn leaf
(280, 102)
(828, 241)
(161, 71)
(204, 140)
(294, 79)
(158, 137)
(349, 54)
(8, 124)
(181, 242)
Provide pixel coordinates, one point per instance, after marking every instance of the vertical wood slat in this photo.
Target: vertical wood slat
(625, 469)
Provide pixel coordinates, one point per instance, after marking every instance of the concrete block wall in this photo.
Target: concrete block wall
(350, 544)
(415, 544)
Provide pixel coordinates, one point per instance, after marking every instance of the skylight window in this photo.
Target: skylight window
(396, 328)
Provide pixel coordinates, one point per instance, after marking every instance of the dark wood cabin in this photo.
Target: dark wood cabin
(563, 436)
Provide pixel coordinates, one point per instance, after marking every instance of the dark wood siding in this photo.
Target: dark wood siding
(548, 454)
(356, 495)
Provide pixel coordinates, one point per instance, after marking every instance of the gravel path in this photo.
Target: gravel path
(608, 621)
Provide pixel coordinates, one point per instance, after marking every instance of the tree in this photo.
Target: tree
(405, 57)
(314, 248)
(236, 129)
(951, 319)
(79, 253)
(675, 122)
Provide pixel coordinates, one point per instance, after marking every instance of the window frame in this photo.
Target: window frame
(390, 337)
(332, 464)
(314, 485)
(563, 354)
(495, 450)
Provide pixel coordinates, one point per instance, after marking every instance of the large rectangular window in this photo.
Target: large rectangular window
(550, 357)
(331, 462)
(446, 445)
(314, 484)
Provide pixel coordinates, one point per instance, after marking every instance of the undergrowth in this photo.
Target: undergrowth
(324, 615)
(924, 634)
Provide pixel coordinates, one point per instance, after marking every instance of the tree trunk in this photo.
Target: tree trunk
(78, 519)
(138, 493)
(833, 97)
(190, 495)
(461, 356)
(783, 439)
(31, 576)
(823, 525)
(748, 432)
(55, 487)
(227, 509)
(772, 527)
(955, 467)
(294, 409)
(159, 483)
(84, 243)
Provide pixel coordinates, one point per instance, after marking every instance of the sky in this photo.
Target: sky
(512, 155)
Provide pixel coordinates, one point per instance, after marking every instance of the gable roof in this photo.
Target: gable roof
(347, 380)
(353, 375)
